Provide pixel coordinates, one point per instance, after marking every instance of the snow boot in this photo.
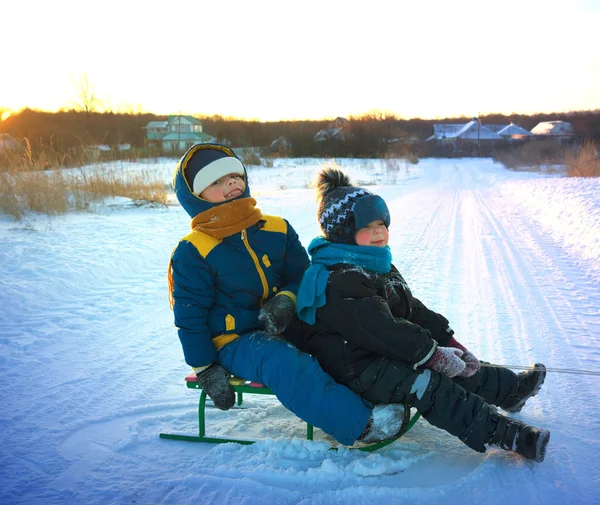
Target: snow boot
(528, 385)
(387, 422)
(516, 436)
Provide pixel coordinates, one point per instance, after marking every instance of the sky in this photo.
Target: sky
(91, 369)
(271, 60)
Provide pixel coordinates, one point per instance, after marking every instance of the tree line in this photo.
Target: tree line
(368, 135)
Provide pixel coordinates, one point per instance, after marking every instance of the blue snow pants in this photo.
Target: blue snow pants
(299, 383)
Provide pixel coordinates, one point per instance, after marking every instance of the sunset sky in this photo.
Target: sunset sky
(272, 60)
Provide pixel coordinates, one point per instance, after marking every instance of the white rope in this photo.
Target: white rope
(557, 370)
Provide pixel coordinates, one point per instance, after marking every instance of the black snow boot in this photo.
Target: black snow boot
(387, 422)
(528, 385)
(516, 436)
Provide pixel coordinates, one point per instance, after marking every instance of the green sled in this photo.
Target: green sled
(241, 386)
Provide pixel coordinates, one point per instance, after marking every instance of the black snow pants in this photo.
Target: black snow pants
(460, 406)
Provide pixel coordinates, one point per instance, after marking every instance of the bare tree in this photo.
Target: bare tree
(85, 98)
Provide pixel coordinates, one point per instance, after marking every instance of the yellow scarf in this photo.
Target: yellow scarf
(227, 219)
(222, 221)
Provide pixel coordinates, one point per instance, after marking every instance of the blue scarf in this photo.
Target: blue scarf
(311, 294)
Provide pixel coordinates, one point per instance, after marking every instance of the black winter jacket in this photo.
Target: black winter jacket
(368, 317)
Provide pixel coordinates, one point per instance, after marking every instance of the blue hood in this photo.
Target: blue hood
(192, 203)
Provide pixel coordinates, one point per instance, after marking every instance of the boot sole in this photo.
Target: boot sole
(540, 446)
(519, 406)
(378, 440)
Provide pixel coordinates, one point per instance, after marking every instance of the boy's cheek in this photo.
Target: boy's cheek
(362, 237)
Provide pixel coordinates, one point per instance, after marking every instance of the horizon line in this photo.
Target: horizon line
(6, 112)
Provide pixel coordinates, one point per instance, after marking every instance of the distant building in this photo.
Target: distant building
(281, 144)
(8, 144)
(177, 134)
(561, 131)
(337, 130)
(101, 152)
(466, 138)
(474, 137)
(510, 132)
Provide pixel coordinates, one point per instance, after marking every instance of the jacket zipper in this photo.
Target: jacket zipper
(261, 273)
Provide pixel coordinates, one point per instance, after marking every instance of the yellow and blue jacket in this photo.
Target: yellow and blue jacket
(219, 285)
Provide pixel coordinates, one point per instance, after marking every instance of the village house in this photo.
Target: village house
(281, 145)
(9, 144)
(337, 130)
(560, 131)
(177, 134)
(474, 137)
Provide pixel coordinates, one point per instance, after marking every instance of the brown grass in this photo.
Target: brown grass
(537, 155)
(550, 156)
(584, 161)
(25, 185)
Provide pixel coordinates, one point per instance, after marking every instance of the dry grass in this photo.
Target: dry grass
(25, 159)
(583, 162)
(142, 186)
(44, 192)
(27, 186)
(538, 155)
(553, 157)
(251, 158)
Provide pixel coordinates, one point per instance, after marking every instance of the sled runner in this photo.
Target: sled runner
(241, 386)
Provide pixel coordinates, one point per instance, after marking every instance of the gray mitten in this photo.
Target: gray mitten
(215, 381)
(277, 313)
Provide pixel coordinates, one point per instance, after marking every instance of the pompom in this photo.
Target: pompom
(330, 178)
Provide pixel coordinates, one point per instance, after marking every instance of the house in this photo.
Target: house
(474, 137)
(514, 132)
(561, 131)
(177, 134)
(8, 144)
(337, 130)
(280, 144)
(468, 138)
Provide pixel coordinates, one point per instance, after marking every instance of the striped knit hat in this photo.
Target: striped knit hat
(344, 208)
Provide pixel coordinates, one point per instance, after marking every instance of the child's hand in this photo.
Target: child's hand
(215, 381)
(447, 360)
(277, 313)
(472, 363)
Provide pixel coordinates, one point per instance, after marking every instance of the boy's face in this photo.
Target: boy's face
(225, 188)
(374, 234)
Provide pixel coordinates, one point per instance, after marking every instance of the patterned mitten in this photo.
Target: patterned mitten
(471, 362)
(447, 361)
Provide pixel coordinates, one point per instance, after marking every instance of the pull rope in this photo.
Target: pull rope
(557, 370)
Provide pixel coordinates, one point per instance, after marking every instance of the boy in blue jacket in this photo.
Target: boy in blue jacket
(372, 334)
(236, 275)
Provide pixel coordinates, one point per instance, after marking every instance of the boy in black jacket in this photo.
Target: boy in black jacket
(358, 317)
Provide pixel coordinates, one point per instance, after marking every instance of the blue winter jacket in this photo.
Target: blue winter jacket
(221, 284)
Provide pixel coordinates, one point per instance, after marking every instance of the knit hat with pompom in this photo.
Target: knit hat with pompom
(345, 208)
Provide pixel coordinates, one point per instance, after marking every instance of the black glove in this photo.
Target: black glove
(277, 313)
(215, 381)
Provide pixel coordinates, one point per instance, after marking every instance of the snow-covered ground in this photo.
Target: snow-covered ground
(92, 371)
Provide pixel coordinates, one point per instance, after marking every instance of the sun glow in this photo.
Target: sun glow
(280, 61)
